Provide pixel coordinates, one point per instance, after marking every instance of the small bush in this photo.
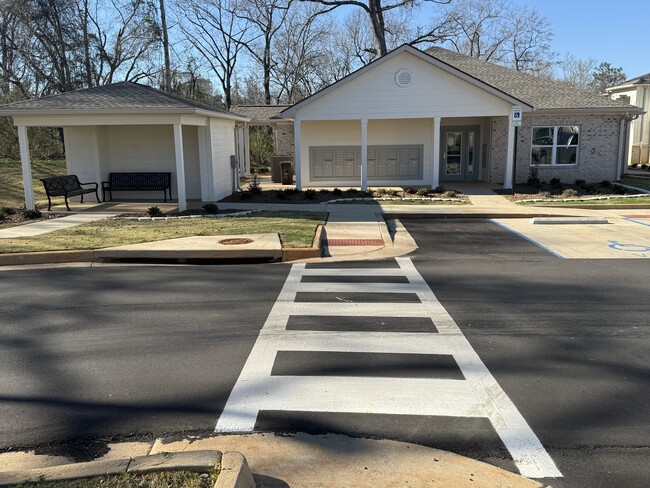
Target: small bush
(280, 195)
(324, 191)
(569, 193)
(154, 212)
(8, 210)
(410, 191)
(606, 184)
(544, 194)
(644, 166)
(337, 192)
(580, 183)
(30, 214)
(533, 178)
(619, 190)
(423, 192)
(555, 182)
(380, 191)
(290, 191)
(309, 194)
(389, 192)
(254, 185)
(3, 215)
(369, 192)
(451, 194)
(634, 165)
(211, 208)
(245, 195)
(439, 189)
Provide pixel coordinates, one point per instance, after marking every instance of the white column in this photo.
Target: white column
(364, 154)
(180, 168)
(435, 180)
(507, 178)
(247, 150)
(297, 152)
(27, 166)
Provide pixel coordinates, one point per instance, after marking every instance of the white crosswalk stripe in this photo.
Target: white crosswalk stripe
(478, 395)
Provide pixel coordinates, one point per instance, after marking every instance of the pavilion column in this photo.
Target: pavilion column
(180, 168)
(435, 178)
(27, 166)
(297, 153)
(510, 156)
(364, 154)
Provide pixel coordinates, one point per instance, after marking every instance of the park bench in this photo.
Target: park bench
(66, 186)
(150, 181)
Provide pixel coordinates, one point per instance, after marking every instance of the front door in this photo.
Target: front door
(459, 160)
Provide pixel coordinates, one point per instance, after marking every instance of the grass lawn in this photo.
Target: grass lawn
(170, 479)
(637, 182)
(610, 201)
(11, 181)
(296, 229)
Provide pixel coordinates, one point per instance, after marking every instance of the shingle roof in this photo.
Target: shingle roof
(639, 80)
(541, 93)
(119, 98)
(260, 112)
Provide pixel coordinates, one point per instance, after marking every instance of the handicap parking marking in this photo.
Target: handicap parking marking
(476, 395)
(636, 221)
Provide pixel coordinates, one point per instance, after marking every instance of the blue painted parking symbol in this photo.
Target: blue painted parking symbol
(637, 249)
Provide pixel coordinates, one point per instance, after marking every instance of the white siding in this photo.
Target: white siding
(433, 92)
(81, 153)
(222, 137)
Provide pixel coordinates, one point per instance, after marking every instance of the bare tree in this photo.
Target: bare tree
(266, 18)
(165, 43)
(213, 29)
(577, 72)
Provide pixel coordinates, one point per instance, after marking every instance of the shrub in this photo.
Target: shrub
(290, 191)
(3, 214)
(337, 192)
(619, 190)
(280, 195)
(381, 191)
(606, 184)
(8, 210)
(580, 183)
(423, 192)
(634, 165)
(533, 178)
(569, 193)
(439, 189)
(254, 185)
(211, 208)
(309, 194)
(544, 194)
(324, 191)
(390, 192)
(410, 191)
(31, 214)
(644, 166)
(555, 182)
(154, 212)
(245, 195)
(369, 192)
(262, 147)
(451, 194)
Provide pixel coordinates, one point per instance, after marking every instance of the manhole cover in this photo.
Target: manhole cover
(235, 241)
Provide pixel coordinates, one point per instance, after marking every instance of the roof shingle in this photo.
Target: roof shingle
(260, 112)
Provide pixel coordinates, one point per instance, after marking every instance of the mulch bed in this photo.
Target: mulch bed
(18, 218)
(558, 192)
(319, 196)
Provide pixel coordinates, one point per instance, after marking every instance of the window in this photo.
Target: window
(555, 145)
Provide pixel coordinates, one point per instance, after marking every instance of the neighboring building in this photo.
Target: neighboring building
(414, 118)
(127, 127)
(636, 92)
(264, 116)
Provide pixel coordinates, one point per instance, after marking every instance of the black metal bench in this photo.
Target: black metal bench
(66, 186)
(150, 181)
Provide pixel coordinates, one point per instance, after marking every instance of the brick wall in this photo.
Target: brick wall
(498, 149)
(284, 140)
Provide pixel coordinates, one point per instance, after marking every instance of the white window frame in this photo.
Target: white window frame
(555, 145)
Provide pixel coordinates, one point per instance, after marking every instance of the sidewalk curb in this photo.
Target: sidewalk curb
(315, 251)
(235, 472)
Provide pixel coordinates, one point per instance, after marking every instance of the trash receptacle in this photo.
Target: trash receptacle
(287, 173)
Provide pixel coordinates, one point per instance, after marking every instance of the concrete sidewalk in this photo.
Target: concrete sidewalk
(51, 225)
(316, 461)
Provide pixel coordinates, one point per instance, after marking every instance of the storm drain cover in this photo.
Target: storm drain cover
(235, 241)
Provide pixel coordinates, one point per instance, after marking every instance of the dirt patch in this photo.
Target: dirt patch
(560, 191)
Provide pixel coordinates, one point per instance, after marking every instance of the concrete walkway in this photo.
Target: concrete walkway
(51, 225)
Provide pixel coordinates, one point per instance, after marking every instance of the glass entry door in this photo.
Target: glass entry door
(458, 156)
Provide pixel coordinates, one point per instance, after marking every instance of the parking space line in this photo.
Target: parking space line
(636, 221)
(524, 236)
(478, 395)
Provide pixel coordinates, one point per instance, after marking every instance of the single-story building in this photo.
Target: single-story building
(414, 118)
(128, 127)
(637, 92)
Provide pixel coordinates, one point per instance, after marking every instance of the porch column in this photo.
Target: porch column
(297, 155)
(510, 155)
(180, 168)
(435, 180)
(364, 154)
(27, 166)
(247, 150)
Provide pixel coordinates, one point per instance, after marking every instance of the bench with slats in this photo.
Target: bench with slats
(140, 181)
(66, 186)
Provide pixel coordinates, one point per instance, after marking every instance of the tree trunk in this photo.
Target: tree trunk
(267, 71)
(378, 26)
(165, 39)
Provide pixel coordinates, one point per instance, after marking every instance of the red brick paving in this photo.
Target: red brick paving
(355, 242)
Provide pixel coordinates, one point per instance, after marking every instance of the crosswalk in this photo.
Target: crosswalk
(477, 395)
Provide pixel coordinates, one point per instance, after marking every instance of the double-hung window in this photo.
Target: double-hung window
(555, 145)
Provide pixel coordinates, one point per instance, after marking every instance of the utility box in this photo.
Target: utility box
(287, 172)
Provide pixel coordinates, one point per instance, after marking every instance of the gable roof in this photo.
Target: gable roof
(119, 98)
(516, 87)
(639, 80)
(260, 113)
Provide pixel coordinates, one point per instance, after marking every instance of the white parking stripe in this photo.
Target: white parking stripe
(479, 395)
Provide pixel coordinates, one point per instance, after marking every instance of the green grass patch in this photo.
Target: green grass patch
(296, 229)
(168, 479)
(636, 182)
(12, 193)
(610, 201)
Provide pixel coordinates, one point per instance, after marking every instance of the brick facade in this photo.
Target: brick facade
(284, 140)
(597, 156)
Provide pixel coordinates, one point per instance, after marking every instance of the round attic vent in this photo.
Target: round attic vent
(403, 78)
